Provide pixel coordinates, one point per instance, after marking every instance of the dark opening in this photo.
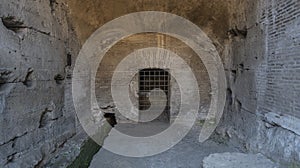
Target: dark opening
(11, 23)
(150, 79)
(69, 59)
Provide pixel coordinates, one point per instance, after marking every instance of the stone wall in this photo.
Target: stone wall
(263, 106)
(258, 41)
(35, 123)
(211, 17)
(279, 81)
(282, 60)
(127, 46)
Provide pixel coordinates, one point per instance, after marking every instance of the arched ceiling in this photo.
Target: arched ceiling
(212, 16)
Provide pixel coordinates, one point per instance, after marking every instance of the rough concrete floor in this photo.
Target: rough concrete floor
(188, 153)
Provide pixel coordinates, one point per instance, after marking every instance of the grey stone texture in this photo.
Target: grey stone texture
(188, 153)
(36, 116)
(237, 160)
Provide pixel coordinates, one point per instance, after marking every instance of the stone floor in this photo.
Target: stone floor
(237, 160)
(188, 153)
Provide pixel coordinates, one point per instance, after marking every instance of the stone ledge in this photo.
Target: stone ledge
(285, 121)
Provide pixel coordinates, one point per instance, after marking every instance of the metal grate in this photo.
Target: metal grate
(150, 79)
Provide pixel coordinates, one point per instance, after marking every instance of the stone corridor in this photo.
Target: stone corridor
(228, 74)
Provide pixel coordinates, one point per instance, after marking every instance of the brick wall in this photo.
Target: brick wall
(263, 74)
(281, 81)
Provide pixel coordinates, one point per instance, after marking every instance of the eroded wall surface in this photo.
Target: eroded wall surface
(35, 120)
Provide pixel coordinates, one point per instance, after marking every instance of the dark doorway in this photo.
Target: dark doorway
(155, 79)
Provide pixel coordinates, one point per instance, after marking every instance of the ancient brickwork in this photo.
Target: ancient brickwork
(279, 87)
(282, 20)
(263, 95)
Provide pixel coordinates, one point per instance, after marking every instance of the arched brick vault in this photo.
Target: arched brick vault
(212, 18)
(128, 45)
